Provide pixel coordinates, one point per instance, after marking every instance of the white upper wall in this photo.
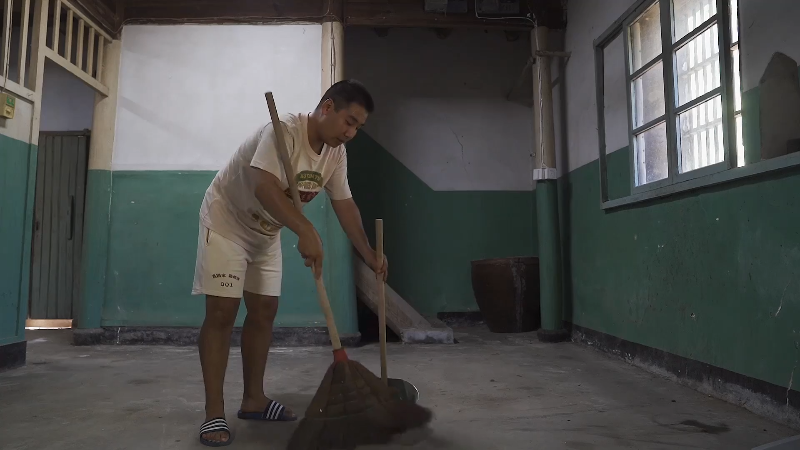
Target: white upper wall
(19, 127)
(67, 102)
(587, 20)
(190, 94)
(766, 27)
(441, 108)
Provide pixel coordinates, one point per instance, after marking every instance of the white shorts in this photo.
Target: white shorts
(225, 269)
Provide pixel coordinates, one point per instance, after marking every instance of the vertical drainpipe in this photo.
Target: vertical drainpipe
(545, 175)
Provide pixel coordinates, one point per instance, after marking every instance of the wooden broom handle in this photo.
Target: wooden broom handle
(381, 300)
(287, 167)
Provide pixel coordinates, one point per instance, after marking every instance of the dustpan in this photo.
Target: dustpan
(403, 389)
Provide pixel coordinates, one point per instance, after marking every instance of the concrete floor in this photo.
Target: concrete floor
(488, 392)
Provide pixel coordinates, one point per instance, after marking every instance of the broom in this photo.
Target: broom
(352, 407)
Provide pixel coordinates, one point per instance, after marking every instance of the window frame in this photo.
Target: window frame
(714, 174)
(667, 57)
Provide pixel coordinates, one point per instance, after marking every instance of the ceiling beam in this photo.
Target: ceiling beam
(411, 13)
(224, 11)
(376, 13)
(105, 17)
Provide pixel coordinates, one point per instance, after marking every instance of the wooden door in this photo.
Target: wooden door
(58, 224)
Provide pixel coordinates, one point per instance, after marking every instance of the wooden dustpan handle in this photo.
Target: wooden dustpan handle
(287, 167)
(381, 300)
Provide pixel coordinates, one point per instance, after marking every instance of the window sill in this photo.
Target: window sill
(725, 176)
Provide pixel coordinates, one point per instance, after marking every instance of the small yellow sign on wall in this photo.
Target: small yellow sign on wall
(7, 105)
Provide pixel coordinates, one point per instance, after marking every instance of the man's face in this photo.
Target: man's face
(339, 127)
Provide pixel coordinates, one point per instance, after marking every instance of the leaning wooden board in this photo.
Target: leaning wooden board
(401, 317)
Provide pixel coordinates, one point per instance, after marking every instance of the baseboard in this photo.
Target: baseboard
(461, 319)
(760, 397)
(179, 336)
(13, 355)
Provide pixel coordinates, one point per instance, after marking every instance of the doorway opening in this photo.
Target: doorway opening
(61, 174)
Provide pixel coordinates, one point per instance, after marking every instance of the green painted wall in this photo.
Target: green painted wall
(710, 275)
(430, 237)
(17, 166)
(151, 249)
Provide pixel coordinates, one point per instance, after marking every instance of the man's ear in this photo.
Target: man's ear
(327, 106)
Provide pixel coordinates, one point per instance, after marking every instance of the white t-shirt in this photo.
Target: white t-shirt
(230, 207)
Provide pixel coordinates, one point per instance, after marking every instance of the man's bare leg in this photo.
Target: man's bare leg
(215, 344)
(256, 340)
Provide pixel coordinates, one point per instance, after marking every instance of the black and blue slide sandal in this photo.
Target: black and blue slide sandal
(274, 412)
(216, 425)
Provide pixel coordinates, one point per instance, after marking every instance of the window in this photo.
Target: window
(683, 93)
(678, 90)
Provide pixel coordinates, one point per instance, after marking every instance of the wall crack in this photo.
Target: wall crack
(791, 381)
(782, 296)
(463, 163)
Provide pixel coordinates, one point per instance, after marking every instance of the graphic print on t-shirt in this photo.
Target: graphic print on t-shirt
(230, 206)
(309, 183)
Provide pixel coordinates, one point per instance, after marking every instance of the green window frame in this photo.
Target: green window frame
(677, 171)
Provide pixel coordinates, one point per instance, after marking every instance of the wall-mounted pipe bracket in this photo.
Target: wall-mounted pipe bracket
(549, 173)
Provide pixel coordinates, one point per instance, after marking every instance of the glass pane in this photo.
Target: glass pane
(688, 14)
(737, 80)
(700, 143)
(734, 21)
(739, 142)
(645, 36)
(698, 66)
(647, 95)
(651, 155)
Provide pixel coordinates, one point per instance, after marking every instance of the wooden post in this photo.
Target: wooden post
(23, 42)
(36, 75)
(5, 32)
(90, 54)
(57, 25)
(79, 54)
(68, 42)
(332, 53)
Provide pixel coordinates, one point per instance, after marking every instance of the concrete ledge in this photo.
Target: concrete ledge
(186, 336)
(13, 355)
(765, 399)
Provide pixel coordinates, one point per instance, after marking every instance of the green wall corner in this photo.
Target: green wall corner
(95, 249)
(709, 275)
(430, 237)
(17, 189)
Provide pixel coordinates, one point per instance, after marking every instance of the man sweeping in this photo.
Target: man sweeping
(239, 248)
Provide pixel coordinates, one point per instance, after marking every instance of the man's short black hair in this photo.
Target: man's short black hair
(346, 92)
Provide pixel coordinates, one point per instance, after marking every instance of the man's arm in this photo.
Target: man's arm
(350, 219)
(272, 197)
(268, 169)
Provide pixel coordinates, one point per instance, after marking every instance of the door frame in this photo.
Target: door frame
(31, 323)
